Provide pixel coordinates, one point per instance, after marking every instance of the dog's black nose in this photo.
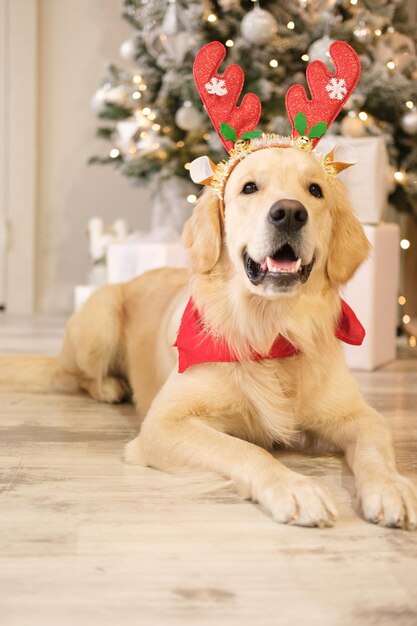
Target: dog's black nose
(288, 215)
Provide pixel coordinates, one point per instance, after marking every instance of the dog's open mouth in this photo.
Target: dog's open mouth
(284, 267)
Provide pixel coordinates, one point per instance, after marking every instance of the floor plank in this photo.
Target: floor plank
(86, 539)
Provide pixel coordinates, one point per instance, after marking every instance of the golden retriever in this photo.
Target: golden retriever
(224, 417)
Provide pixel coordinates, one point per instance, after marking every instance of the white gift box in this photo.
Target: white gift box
(372, 294)
(367, 180)
(126, 260)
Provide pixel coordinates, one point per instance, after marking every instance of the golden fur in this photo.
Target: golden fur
(226, 416)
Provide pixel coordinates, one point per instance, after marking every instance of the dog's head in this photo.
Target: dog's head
(284, 222)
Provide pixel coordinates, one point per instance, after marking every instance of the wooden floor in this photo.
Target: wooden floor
(85, 539)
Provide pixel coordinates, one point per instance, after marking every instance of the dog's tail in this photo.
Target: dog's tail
(35, 373)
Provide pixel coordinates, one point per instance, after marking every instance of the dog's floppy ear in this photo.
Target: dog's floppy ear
(349, 246)
(202, 234)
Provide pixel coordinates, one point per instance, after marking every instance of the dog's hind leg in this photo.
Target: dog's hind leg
(93, 346)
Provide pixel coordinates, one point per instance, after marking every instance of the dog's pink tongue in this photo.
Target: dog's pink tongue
(280, 266)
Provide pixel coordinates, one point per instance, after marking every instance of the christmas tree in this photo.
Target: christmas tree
(153, 116)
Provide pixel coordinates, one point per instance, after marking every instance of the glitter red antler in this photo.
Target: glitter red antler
(329, 92)
(220, 93)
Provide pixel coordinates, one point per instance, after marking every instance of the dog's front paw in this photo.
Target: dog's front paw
(389, 501)
(297, 499)
(132, 453)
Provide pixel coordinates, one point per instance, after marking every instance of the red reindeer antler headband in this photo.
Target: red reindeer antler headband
(329, 92)
(221, 93)
(236, 124)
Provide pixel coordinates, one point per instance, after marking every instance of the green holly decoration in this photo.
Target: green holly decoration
(252, 134)
(300, 123)
(229, 133)
(318, 130)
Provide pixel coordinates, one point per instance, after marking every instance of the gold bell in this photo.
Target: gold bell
(304, 143)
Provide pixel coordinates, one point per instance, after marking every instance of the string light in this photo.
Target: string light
(114, 153)
(399, 176)
(152, 116)
(187, 166)
(180, 144)
(409, 104)
(412, 341)
(146, 111)
(291, 25)
(363, 116)
(378, 32)
(166, 129)
(405, 244)
(406, 319)
(229, 43)
(137, 79)
(156, 127)
(191, 198)
(212, 17)
(402, 300)
(143, 134)
(305, 57)
(142, 87)
(206, 136)
(136, 95)
(132, 149)
(391, 65)
(273, 63)
(353, 2)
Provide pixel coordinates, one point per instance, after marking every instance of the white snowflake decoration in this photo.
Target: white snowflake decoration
(336, 88)
(216, 86)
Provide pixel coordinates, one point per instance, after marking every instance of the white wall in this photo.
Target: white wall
(76, 39)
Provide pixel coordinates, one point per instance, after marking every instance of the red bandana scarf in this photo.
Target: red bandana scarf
(196, 345)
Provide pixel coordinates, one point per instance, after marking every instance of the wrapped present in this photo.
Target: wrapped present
(126, 260)
(372, 294)
(368, 181)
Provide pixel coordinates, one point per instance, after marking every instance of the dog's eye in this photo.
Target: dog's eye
(249, 188)
(315, 190)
